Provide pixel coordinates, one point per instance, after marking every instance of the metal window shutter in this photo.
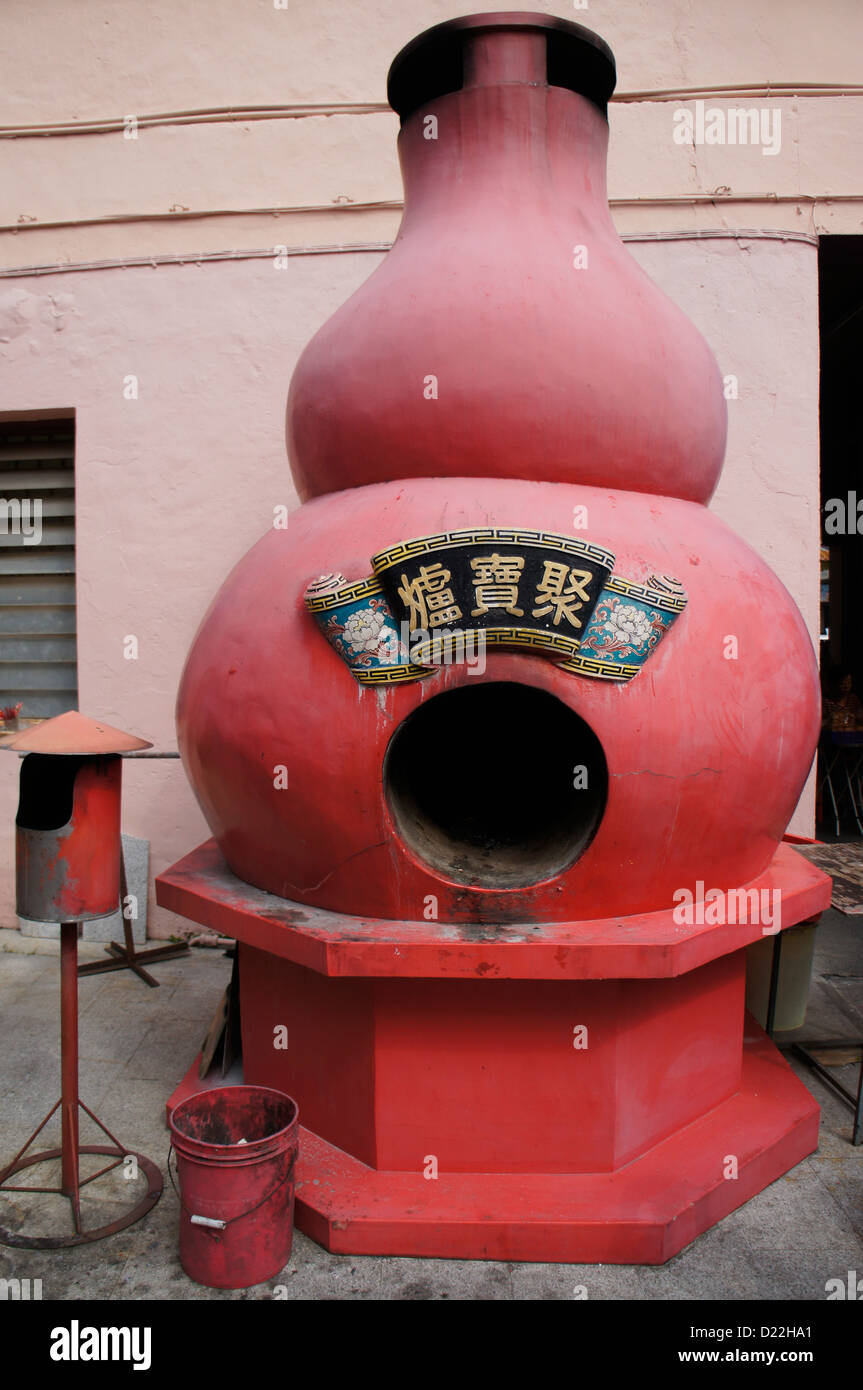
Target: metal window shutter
(38, 652)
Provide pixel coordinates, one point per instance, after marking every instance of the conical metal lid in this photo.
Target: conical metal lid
(74, 733)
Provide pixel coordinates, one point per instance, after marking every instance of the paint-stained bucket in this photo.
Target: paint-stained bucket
(236, 1148)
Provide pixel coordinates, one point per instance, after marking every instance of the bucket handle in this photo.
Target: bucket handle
(214, 1226)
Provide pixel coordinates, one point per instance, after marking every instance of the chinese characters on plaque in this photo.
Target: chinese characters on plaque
(521, 589)
(529, 591)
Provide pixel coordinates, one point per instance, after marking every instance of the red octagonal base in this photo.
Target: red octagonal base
(642, 1214)
(576, 1092)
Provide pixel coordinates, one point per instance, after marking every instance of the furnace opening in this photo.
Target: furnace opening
(499, 785)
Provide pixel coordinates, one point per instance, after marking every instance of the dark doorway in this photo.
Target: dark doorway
(840, 269)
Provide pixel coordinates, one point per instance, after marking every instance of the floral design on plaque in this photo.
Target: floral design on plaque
(528, 591)
(357, 621)
(628, 622)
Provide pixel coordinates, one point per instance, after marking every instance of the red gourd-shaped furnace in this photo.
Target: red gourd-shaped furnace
(505, 442)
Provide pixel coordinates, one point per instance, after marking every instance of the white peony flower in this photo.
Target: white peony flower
(628, 624)
(362, 630)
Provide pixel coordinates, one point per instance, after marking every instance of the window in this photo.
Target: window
(38, 657)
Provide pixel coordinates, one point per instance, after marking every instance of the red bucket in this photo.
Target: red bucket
(236, 1148)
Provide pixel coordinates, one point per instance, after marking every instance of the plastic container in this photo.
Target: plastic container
(236, 1150)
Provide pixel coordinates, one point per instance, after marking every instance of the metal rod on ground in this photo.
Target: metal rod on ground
(126, 957)
(71, 1149)
(804, 1051)
(69, 1063)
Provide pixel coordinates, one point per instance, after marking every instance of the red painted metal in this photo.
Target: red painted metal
(236, 1150)
(68, 823)
(393, 1070)
(69, 850)
(74, 734)
(127, 956)
(590, 376)
(590, 380)
(69, 1063)
(410, 1040)
(147, 1169)
(68, 837)
(430, 1017)
(646, 945)
(68, 870)
(706, 756)
(642, 1213)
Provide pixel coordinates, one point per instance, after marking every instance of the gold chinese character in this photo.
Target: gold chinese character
(496, 583)
(562, 591)
(429, 598)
